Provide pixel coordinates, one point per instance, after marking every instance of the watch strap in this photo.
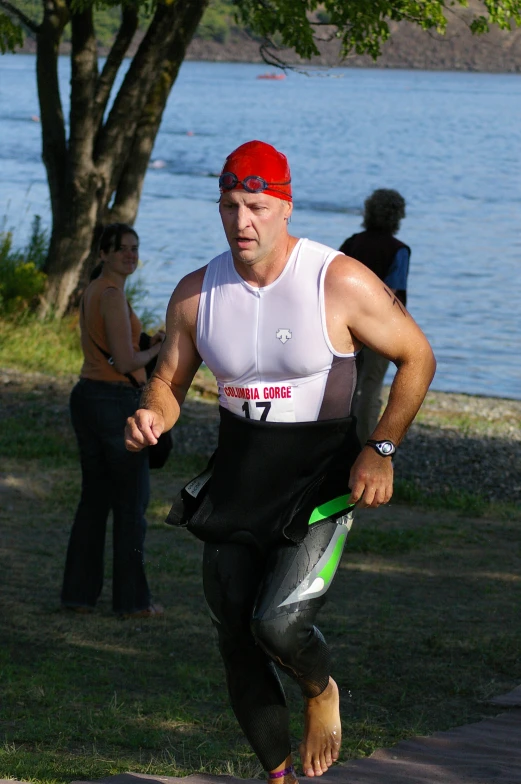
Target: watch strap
(375, 444)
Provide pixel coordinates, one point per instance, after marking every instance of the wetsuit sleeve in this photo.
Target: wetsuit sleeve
(396, 278)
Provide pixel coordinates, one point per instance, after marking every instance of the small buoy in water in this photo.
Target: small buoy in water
(189, 133)
(35, 118)
(157, 164)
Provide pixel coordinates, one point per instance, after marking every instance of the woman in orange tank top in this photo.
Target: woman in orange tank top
(113, 479)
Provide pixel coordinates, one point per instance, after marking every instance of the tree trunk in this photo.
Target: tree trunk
(102, 162)
(54, 142)
(128, 193)
(71, 242)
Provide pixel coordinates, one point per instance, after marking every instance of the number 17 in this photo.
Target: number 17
(266, 406)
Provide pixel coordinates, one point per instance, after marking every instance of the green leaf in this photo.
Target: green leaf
(11, 35)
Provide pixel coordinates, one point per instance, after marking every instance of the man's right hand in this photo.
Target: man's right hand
(143, 429)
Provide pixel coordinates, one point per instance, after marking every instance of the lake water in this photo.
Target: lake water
(449, 142)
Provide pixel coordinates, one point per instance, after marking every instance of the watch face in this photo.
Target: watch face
(384, 448)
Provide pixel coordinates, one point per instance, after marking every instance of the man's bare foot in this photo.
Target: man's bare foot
(322, 731)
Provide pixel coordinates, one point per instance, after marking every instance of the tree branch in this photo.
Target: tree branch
(129, 23)
(117, 135)
(19, 16)
(266, 51)
(131, 177)
(130, 183)
(84, 77)
(54, 144)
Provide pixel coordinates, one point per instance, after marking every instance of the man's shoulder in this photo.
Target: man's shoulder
(218, 270)
(316, 248)
(345, 270)
(190, 285)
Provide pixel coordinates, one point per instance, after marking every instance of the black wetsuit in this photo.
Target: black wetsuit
(265, 574)
(247, 592)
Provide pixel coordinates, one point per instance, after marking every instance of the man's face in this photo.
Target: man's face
(255, 224)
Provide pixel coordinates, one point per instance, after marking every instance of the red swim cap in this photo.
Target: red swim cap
(262, 161)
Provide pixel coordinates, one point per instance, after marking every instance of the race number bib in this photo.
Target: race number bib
(265, 402)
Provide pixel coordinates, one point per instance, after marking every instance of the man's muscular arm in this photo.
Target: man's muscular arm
(376, 318)
(176, 366)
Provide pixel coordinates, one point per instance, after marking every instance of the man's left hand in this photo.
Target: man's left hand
(371, 479)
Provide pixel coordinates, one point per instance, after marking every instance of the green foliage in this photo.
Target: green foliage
(11, 35)
(501, 13)
(362, 27)
(38, 244)
(106, 24)
(21, 278)
(216, 22)
(33, 9)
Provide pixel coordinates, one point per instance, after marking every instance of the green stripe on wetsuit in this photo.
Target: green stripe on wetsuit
(327, 573)
(317, 581)
(330, 508)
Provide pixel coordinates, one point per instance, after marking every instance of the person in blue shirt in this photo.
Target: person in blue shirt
(388, 258)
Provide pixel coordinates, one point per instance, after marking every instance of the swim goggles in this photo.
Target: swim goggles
(251, 184)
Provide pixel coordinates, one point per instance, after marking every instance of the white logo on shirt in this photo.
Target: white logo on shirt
(284, 335)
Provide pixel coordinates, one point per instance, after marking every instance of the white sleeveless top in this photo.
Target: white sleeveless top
(268, 347)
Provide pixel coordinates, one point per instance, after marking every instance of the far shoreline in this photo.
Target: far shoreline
(301, 67)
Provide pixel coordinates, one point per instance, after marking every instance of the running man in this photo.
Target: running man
(279, 321)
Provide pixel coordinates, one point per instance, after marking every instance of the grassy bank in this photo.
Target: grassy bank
(423, 618)
(51, 347)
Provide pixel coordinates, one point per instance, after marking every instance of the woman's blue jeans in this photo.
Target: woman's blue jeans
(112, 479)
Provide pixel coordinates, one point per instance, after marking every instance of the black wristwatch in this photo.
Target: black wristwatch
(384, 448)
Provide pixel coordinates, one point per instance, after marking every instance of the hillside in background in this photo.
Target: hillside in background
(220, 39)
(408, 47)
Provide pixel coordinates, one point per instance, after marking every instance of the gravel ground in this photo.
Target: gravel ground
(445, 461)
(457, 444)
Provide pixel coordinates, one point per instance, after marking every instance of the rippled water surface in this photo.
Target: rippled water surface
(449, 142)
